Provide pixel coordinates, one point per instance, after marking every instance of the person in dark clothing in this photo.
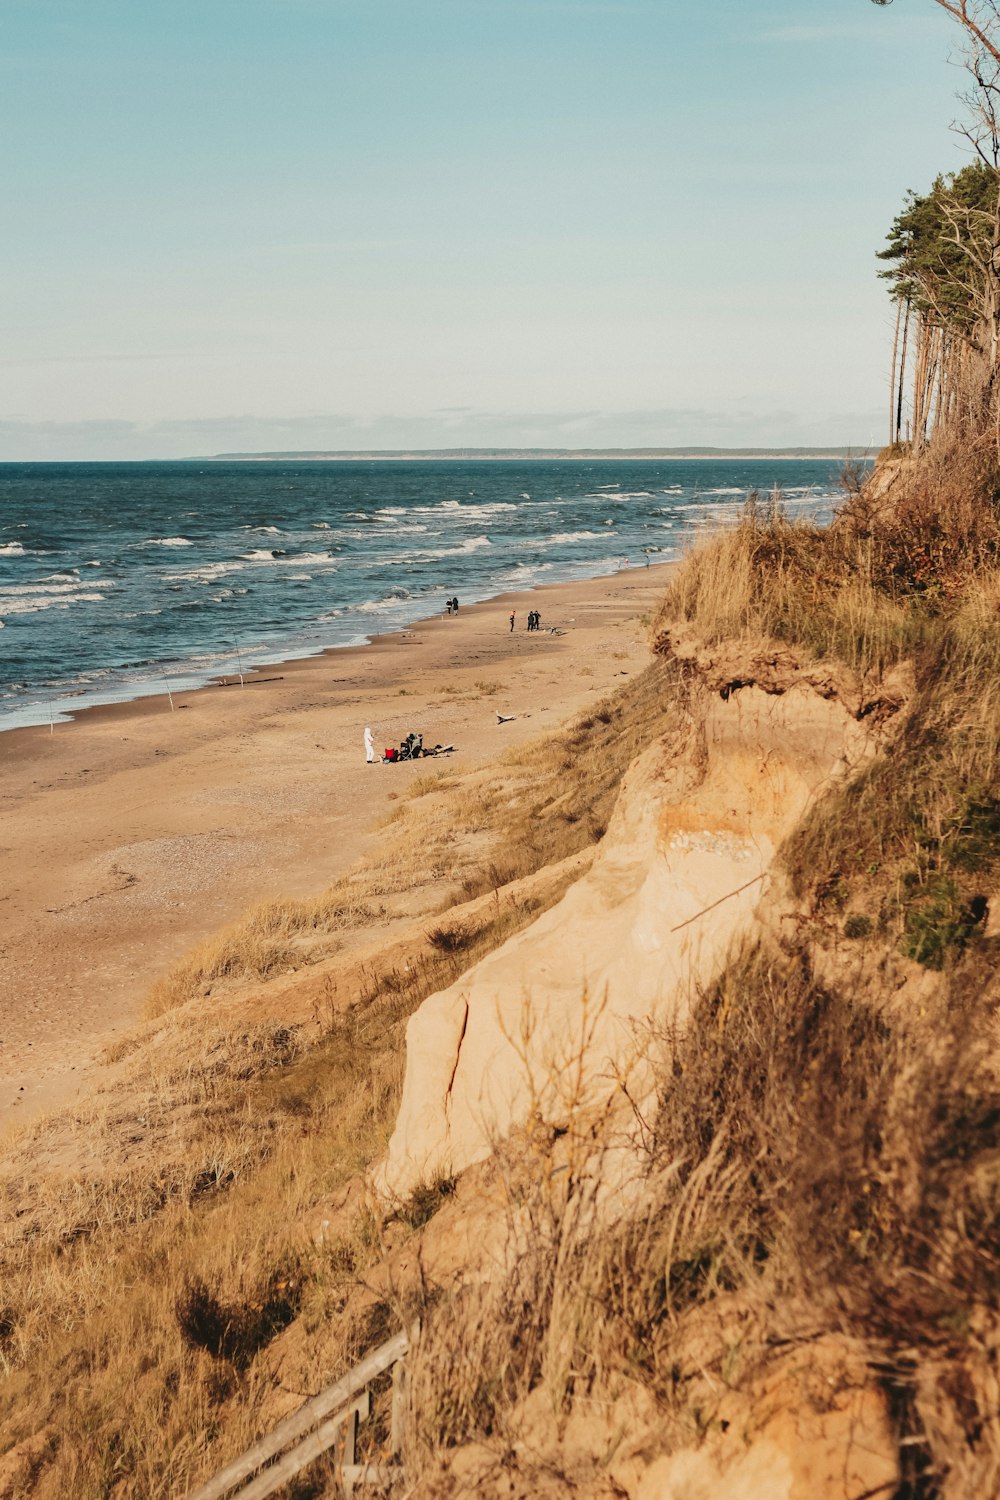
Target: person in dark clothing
(454, 606)
(512, 615)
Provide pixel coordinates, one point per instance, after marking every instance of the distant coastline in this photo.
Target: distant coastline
(413, 455)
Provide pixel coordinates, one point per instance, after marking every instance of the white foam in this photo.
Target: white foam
(167, 541)
(34, 604)
(44, 586)
(471, 544)
(290, 559)
(563, 537)
(207, 573)
(12, 549)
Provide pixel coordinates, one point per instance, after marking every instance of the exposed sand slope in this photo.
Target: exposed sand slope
(560, 1010)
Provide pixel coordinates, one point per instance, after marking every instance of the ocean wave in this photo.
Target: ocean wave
(374, 606)
(35, 603)
(49, 585)
(293, 559)
(166, 541)
(13, 549)
(447, 507)
(207, 573)
(726, 490)
(563, 537)
(471, 544)
(268, 530)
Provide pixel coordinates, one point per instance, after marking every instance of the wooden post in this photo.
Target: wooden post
(399, 1383)
(349, 1457)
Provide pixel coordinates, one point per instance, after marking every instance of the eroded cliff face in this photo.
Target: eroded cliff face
(560, 1016)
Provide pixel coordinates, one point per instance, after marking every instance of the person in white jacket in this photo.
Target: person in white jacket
(369, 746)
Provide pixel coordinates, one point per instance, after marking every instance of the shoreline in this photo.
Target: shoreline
(269, 660)
(133, 832)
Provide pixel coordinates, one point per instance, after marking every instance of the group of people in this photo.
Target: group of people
(451, 605)
(534, 619)
(412, 748)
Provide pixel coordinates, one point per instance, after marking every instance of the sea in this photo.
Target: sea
(119, 580)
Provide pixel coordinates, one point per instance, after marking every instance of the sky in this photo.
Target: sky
(237, 225)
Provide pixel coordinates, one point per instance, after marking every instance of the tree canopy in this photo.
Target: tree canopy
(940, 249)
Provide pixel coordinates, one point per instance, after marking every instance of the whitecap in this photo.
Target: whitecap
(561, 538)
(12, 549)
(45, 587)
(207, 573)
(167, 541)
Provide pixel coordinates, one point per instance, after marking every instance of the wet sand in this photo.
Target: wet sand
(134, 831)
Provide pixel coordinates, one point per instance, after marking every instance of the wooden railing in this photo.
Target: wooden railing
(325, 1421)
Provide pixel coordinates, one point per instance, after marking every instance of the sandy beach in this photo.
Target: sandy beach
(134, 831)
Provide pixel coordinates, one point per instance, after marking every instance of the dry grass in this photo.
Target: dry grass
(811, 1150)
(910, 849)
(469, 835)
(913, 842)
(141, 1296)
(826, 1148)
(817, 1146)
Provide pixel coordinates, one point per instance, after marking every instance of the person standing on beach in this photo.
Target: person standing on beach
(454, 605)
(369, 746)
(512, 614)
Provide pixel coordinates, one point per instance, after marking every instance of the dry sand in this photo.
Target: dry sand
(134, 831)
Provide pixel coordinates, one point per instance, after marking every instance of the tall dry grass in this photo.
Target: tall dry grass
(814, 1151)
(141, 1296)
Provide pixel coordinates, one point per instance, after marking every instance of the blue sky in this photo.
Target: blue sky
(383, 223)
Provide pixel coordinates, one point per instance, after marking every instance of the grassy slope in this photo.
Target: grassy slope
(826, 1157)
(142, 1288)
(823, 1145)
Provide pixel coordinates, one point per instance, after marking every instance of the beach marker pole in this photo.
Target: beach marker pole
(170, 696)
(52, 724)
(239, 661)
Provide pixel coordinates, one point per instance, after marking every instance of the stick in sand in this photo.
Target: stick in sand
(170, 696)
(239, 662)
(52, 725)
